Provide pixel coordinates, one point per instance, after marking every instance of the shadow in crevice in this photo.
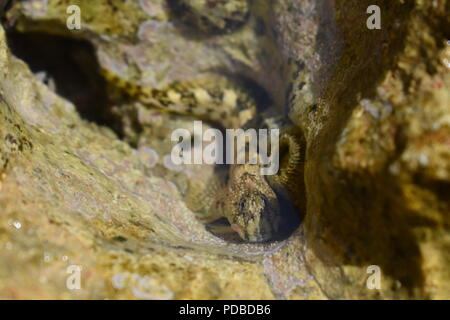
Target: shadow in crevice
(370, 229)
(69, 65)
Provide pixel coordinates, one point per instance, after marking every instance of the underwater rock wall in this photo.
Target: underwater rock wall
(98, 197)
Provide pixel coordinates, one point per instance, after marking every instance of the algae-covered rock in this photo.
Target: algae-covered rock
(78, 200)
(95, 196)
(73, 194)
(377, 164)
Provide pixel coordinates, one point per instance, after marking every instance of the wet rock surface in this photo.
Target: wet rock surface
(98, 193)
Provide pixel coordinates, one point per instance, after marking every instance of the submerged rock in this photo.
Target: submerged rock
(88, 191)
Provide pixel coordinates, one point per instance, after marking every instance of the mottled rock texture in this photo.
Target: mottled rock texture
(376, 124)
(374, 107)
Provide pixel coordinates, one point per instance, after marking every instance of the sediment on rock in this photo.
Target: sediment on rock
(84, 181)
